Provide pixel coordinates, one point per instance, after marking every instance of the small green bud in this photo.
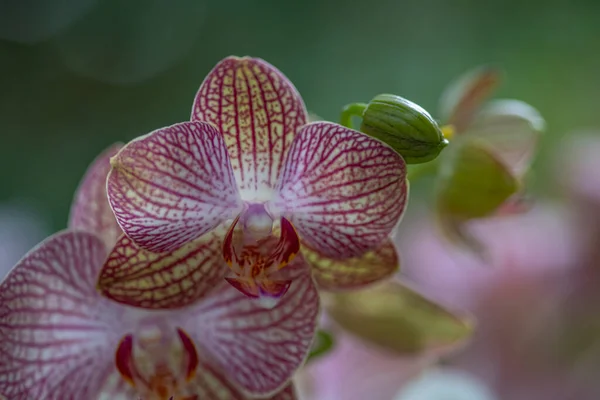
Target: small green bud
(404, 126)
(473, 182)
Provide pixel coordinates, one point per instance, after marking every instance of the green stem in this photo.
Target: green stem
(351, 110)
(323, 344)
(418, 171)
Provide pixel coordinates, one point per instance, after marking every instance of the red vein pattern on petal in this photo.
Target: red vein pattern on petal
(356, 272)
(210, 384)
(259, 111)
(172, 186)
(90, 210)
(343, 191)
(139, 278)
(258, 348)
(57, 335)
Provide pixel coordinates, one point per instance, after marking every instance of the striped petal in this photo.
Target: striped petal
(57, 334)
(259, 111)
(343, 191)
(210, 384)
(139, 278)
(90, 210)
(463, 98)
(172, 186)
(353, 273)
(258, 347)
(512, 129)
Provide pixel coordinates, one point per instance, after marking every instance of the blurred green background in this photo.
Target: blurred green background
(78, 75)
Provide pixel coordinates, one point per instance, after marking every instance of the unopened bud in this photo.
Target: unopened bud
(404, 126)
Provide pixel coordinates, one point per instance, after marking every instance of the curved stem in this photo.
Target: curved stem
(418, 171)
(351, 110)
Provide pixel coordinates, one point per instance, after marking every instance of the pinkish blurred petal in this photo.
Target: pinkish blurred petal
(355, 371)
(446, 383)
(463, 98)
(343, 191)
(353, 273)
(579, 165)
(139, 278)
(259, 348)
(536, 243)
(90, 210)
(258, 111)
(512, 130)
(57, 334)
(173, 185)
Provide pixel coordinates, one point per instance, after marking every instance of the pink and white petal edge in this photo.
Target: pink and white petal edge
(343, 191)
(258, 348)
(176, 279)
(172, 186)
(57, 335)
(258, 111)
(90, 210)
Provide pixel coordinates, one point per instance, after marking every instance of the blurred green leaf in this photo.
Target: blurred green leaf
(472, 182)
(323, 344)
(398, 318)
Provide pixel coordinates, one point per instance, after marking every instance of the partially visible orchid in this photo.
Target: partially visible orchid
(246, 169)
(61, 339)
(532, 339)
(493, 144)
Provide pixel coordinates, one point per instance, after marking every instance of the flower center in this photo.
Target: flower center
(158, 366)
(254, 254)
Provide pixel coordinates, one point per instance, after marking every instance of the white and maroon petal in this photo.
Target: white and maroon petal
(90, 210)
(211, 384)
(259, 111)
(343, 191)
(512, 130)
(173, 185)
(356, 272)
(258, 348)
(57, 334)
(139, 278)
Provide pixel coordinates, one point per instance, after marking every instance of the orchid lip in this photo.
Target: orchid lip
(254, 258)
(142, 363)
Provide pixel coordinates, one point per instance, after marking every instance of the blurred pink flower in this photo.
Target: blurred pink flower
(537, 303)
(353, 370)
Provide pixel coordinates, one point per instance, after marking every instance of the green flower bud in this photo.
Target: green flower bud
(473, 182)
(404, 126)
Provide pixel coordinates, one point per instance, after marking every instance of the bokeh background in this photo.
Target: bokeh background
(79, 75)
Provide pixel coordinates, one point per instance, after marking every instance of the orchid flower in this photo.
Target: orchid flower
(61, 339)
(482, 172)
(246, 169)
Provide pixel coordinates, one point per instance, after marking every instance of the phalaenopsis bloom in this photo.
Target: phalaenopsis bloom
(248, 181)
(60, 339)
